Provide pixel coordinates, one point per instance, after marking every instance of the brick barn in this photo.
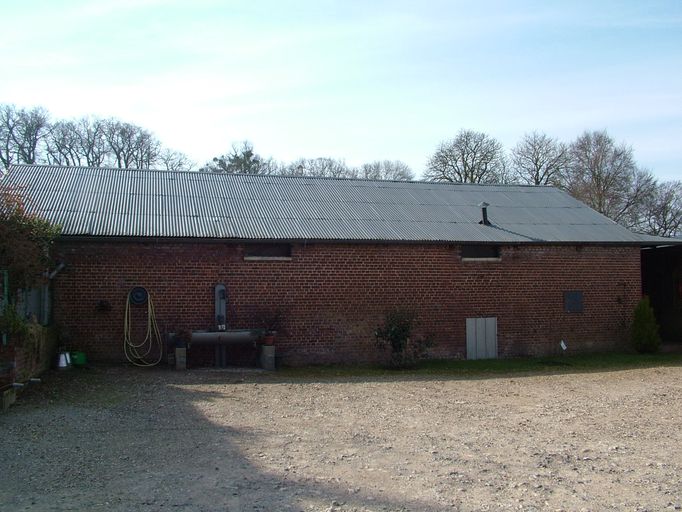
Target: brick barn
(332, 256)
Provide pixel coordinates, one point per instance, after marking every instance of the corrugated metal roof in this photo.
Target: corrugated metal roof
(146, 203)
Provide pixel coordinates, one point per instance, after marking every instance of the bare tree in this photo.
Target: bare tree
(662, 213)
(9, 120)
(605, 176)
(26, 136)
(471, 157)
(21, 133)
(539, 160)
(131, 146)
(31, 129)
(120, 137)
(81, 142)
(243, 159)
(323, 167)
(271, 166)
(386, 170)
(147, 149)
(175, 160)
(63, 144)
(92, 141)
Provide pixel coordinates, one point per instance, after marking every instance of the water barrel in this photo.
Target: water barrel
(267, 357)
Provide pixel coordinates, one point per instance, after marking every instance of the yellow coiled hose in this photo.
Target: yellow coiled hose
(138, 354)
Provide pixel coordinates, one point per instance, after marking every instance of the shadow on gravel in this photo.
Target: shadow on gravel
(126, 439)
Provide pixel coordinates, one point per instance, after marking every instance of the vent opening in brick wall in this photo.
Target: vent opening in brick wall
(573, 301)
(281, 252)
(480, 252)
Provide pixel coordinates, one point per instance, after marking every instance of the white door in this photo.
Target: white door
(482, 338)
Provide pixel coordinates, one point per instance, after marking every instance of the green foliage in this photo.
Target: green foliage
(242, 159)
(465, 369)
(396, 334)
(12, 323)
(644, 331)
(270, 320)
(25, 239)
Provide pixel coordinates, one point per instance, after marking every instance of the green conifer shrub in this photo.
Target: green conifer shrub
(644, 332)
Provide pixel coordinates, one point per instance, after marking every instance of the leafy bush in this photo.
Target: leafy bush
(270, 320)
(644, 328)
(25, 239)
(12, 323)
(396, 334)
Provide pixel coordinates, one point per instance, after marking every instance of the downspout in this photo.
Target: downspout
(56, 271)
(5, 299)
(46, 292)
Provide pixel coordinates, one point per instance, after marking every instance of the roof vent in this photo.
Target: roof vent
(484, 212)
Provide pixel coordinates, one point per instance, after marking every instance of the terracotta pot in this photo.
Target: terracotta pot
(269, 338)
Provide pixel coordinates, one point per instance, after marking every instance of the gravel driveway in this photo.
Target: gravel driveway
(127, 439)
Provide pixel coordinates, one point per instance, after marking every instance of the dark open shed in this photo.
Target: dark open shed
(662, 282)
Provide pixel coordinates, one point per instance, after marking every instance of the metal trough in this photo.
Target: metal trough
(222, 338)
(228, 337)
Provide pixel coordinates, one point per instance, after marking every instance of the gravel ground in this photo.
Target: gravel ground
(127, 439)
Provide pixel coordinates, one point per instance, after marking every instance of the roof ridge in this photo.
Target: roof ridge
(152, 203)
(284, 176)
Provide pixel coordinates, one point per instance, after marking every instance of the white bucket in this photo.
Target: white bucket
(64, 361)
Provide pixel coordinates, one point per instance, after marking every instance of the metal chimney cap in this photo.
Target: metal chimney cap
(484, 213)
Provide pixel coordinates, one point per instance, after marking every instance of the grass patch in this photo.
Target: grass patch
(78, 386)
(492, 367)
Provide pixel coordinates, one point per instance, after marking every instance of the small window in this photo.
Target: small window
(573, 302)
(257, 252)
(480, 252)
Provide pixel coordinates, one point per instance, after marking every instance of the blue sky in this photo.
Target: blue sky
(351, 79)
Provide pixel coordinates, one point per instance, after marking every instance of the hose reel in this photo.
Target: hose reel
(138, 296)
(142, 354)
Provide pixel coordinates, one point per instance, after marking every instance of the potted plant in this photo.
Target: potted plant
(269, 323)
(269, 337)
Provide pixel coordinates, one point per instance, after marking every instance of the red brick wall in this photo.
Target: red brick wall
(29, 356)
(7, 364)
(334, 295)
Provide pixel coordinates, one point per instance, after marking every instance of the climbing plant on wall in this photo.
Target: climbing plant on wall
(25, 240)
